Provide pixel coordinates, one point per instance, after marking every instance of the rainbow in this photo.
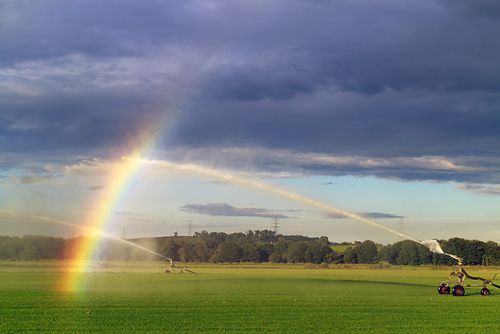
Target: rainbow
(103, 209)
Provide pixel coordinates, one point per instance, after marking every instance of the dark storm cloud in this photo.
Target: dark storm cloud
(223, 209)
(388, 124)
(480, 8)
(386, 80)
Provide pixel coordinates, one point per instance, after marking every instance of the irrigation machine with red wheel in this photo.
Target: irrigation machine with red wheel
(460, 275)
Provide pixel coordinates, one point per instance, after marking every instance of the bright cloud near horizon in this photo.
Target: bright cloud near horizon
(387, 109)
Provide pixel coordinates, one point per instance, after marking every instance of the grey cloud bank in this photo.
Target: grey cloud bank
(223, 209)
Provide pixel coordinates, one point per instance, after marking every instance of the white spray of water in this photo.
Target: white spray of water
(90, 231)
(432, 245)
(435, 247)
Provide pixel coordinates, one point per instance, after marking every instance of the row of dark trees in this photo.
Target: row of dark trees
(254, 246)
(407, 252)
(33, 248)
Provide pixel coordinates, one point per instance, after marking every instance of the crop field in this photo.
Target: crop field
(139, 298)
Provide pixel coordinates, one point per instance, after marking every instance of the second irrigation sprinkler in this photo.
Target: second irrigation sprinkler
(172, 268)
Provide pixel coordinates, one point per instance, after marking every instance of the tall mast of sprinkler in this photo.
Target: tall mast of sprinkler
(190, 226)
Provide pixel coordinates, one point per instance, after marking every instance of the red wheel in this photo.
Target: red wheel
(485, 292)
(458, 290)
(444, 289)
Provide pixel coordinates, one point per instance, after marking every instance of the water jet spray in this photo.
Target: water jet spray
(432, 245)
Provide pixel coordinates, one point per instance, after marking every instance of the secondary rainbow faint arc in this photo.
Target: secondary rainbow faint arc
(103, 210)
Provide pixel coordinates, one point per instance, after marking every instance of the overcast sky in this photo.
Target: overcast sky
(387, 108)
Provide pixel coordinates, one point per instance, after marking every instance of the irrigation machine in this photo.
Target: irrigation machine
(172, 268)
(459, 274)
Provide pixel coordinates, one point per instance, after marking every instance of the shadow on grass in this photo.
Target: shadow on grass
(470, 292)
(383, 283)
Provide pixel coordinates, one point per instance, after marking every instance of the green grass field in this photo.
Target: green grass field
(138, 298)
(340, 248)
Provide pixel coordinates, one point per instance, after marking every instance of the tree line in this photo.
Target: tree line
(474, 252)
(254, 246)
